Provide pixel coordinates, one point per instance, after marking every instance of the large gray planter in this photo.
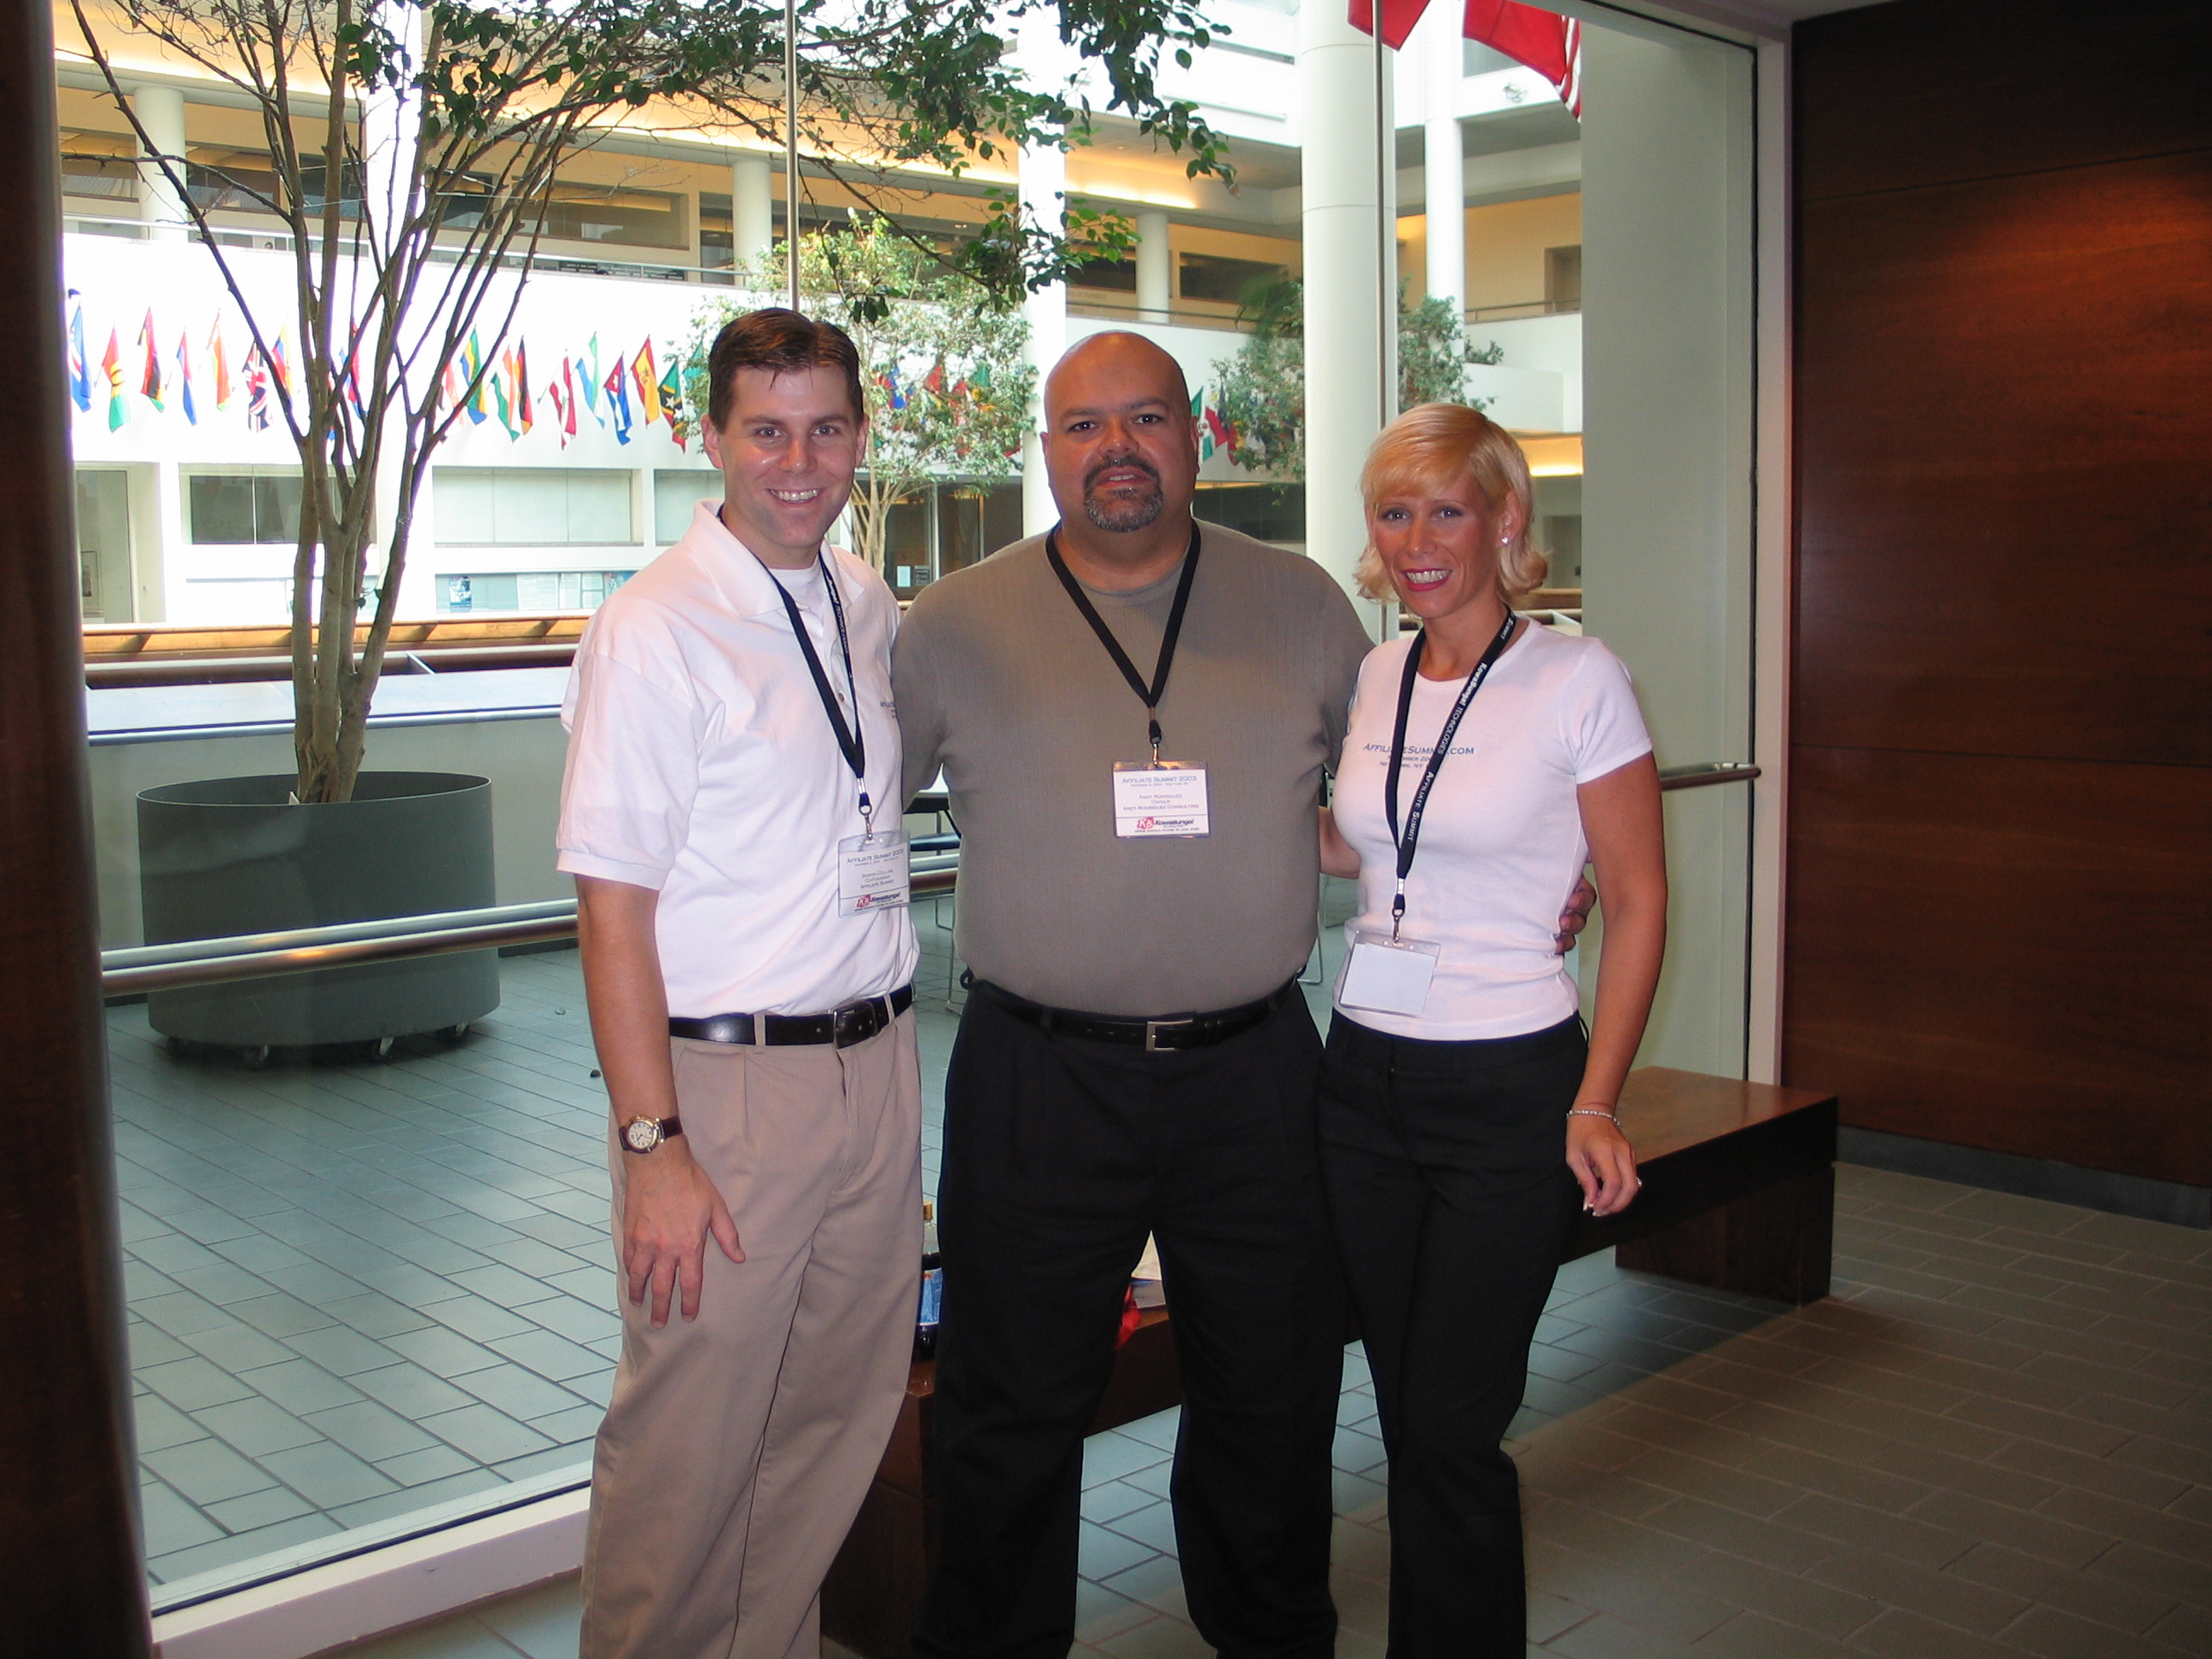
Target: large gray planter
(227, 856)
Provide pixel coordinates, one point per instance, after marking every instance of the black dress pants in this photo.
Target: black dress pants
(1060, 1156)
(1450, 1199)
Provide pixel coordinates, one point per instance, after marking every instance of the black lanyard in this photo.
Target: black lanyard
(1408, 842)
(852, 739)
(1149, 694)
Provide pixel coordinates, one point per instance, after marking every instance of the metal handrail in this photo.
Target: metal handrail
(138, 970)
(1707, 773)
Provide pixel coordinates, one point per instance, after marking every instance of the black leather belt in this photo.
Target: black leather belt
(1167, 1036)
(856, 1022)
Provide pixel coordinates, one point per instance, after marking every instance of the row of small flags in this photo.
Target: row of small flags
(479, 391)
(163, 375)
(576, 389)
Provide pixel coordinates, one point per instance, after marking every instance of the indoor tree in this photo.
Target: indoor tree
(1260, 391)
(413, 147)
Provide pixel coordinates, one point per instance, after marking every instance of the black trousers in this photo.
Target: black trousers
(1450, 1198)
(1060, 1156)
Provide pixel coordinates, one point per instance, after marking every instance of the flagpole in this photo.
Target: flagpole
(790, 142)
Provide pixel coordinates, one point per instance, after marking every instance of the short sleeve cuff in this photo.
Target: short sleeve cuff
(1599, 765)
(573, 863)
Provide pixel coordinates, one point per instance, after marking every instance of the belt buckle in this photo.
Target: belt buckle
(856, 1022)
(1154, 1027)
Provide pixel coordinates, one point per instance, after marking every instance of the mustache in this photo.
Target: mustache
(1105, 466)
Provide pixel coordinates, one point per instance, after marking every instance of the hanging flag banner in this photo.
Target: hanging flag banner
(219, 365)
(79, 367)
(257, 390)
(618, 401)
(671, 403)
(472, 379)
(149, 382)
(110, 361)
(648, 384)
(592, 378)
(1541, 40)
(185, 382)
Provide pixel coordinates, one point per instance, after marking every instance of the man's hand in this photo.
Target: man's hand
(1576, 916)
(669, 1206)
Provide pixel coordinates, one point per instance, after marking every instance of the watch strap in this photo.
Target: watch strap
(668, 1128)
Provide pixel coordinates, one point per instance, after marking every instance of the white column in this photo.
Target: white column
(1442, 160)
(1350, 280)
(752, 207)
(1043, 190)
(1155, 269)
(160, 110)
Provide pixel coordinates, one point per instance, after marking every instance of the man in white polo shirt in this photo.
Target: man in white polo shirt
(731, 814)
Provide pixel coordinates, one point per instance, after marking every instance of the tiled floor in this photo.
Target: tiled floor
(359, 1289)
(1995, 1439)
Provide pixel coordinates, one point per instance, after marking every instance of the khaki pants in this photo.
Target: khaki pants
(738, 1447)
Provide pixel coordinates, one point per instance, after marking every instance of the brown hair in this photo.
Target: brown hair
(1439, 444)
(777, 339)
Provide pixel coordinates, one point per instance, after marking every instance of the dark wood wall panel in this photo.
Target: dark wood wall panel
(2006, 502)
(1921, 91)
(2006, 954)
(2000, 812)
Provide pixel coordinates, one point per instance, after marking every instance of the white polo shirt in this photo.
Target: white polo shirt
(702, 764)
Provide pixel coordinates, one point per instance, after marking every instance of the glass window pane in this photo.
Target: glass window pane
(600, 507)
(530, 510)
(221, 506)
(676, 494)
(276, 510)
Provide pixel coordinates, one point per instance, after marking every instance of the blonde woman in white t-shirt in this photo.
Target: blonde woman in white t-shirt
(1464, 1112)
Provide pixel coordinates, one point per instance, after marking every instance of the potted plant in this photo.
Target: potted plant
(413, 146)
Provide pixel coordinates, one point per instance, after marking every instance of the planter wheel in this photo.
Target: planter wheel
(379, 1048)
(182, 1048)
(255, 1055)
(454, 1033)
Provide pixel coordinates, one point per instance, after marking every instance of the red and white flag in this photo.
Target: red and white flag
(1542, 40)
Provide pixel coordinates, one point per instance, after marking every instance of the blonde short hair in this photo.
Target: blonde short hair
(1435, 444)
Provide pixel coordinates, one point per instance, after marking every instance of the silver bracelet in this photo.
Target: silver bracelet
(1592, 1111)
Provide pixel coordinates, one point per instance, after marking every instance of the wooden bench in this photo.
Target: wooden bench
(1739, 1193)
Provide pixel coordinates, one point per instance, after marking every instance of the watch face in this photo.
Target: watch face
(641, 1134)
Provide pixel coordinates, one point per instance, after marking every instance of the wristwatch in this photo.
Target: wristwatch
(642, 1134)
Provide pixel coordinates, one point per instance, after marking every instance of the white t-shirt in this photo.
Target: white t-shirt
(702, 764)
(1501, 844)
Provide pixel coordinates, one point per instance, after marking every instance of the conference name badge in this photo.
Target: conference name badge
(873, 873)
(1385, 975)
(1163, 799)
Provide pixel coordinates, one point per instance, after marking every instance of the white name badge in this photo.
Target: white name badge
(1386, 975)
(1166, 799)
(872, 873)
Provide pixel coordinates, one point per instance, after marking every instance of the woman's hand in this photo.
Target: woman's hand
(1604, 1161)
